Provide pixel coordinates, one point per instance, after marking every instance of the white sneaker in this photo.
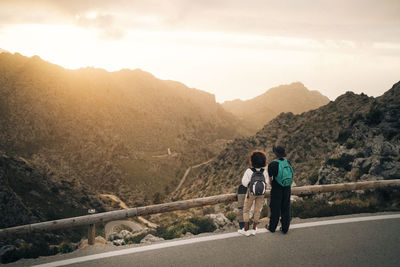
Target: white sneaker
(254, 231)
(243, 232)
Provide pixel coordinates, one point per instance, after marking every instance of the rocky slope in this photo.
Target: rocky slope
(354, 138)
(28, 196)
(104, 128)
(257, 112)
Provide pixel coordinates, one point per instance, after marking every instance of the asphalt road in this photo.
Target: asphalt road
(364, 243)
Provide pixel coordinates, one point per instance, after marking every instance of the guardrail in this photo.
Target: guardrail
(92, 219)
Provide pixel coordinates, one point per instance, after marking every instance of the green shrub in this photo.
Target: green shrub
(208, 210)
(356, 118)
(313, 178)
(66, 248)
(231, 216)
(205, 224)
(321, 208)
(135, 239)
(391, 134)
(350, 144)
(343, 136)
(374, 116)
(196, 225)
(348, 203)
(360, 155)
(343, 162)
(168, 232)
(157, 198)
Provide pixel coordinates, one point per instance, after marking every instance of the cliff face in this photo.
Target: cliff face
(354, 138)
(28, 196)
(257, 112)
(104, 128)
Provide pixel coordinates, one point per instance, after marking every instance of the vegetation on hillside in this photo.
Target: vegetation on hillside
(354, 138)
(103, 128)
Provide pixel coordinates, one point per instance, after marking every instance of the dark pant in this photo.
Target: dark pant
(280, 207)
(241, 197)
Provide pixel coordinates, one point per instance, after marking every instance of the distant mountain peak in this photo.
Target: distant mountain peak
(293, 97)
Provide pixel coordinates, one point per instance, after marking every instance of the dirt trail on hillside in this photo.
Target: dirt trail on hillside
(187, 173)
(124, 206)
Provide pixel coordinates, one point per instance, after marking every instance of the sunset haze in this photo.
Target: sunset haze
(233, 49)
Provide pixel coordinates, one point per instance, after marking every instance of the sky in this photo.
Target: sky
(232, 49)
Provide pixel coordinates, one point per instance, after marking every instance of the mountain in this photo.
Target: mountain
(257, 112)
(28, 196)
(3, 51)
(107, 129)
(354, 138)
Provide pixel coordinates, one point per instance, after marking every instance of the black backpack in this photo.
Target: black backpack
(257, 185)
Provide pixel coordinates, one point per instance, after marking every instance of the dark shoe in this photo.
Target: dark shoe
(280, 229)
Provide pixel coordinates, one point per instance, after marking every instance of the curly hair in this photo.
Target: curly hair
(258, 159)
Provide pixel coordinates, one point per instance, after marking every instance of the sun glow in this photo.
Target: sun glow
(230, 65)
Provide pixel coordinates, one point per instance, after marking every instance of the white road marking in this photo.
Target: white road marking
(207, 238)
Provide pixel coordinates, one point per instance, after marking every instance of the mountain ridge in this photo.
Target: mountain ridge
(354, 138)
(103, 127)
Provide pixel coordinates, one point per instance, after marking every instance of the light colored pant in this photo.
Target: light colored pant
(258, 202)
(241, 198)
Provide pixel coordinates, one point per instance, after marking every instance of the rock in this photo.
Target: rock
(219, 219)
(19, 243)
(352, 152)
(358, 162)
(389, 149)
(294, 198)
(376, 145)
(6, 253)
(119, 242)
(98, 241)
(391, 170)
(370, 177)
(366, 165)
(150, 239)
(113, 236)
(123, 233)
(188, 234)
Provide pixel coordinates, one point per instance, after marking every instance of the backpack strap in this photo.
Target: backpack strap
(253, 169)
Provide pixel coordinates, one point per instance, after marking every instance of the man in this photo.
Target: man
(281, 173)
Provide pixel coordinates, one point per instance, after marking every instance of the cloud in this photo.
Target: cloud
(103, 22)
(357, 20)
(80, 13)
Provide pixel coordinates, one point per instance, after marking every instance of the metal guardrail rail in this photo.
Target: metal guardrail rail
(92, 219)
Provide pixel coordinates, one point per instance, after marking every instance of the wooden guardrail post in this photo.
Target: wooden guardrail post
(91, 229)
